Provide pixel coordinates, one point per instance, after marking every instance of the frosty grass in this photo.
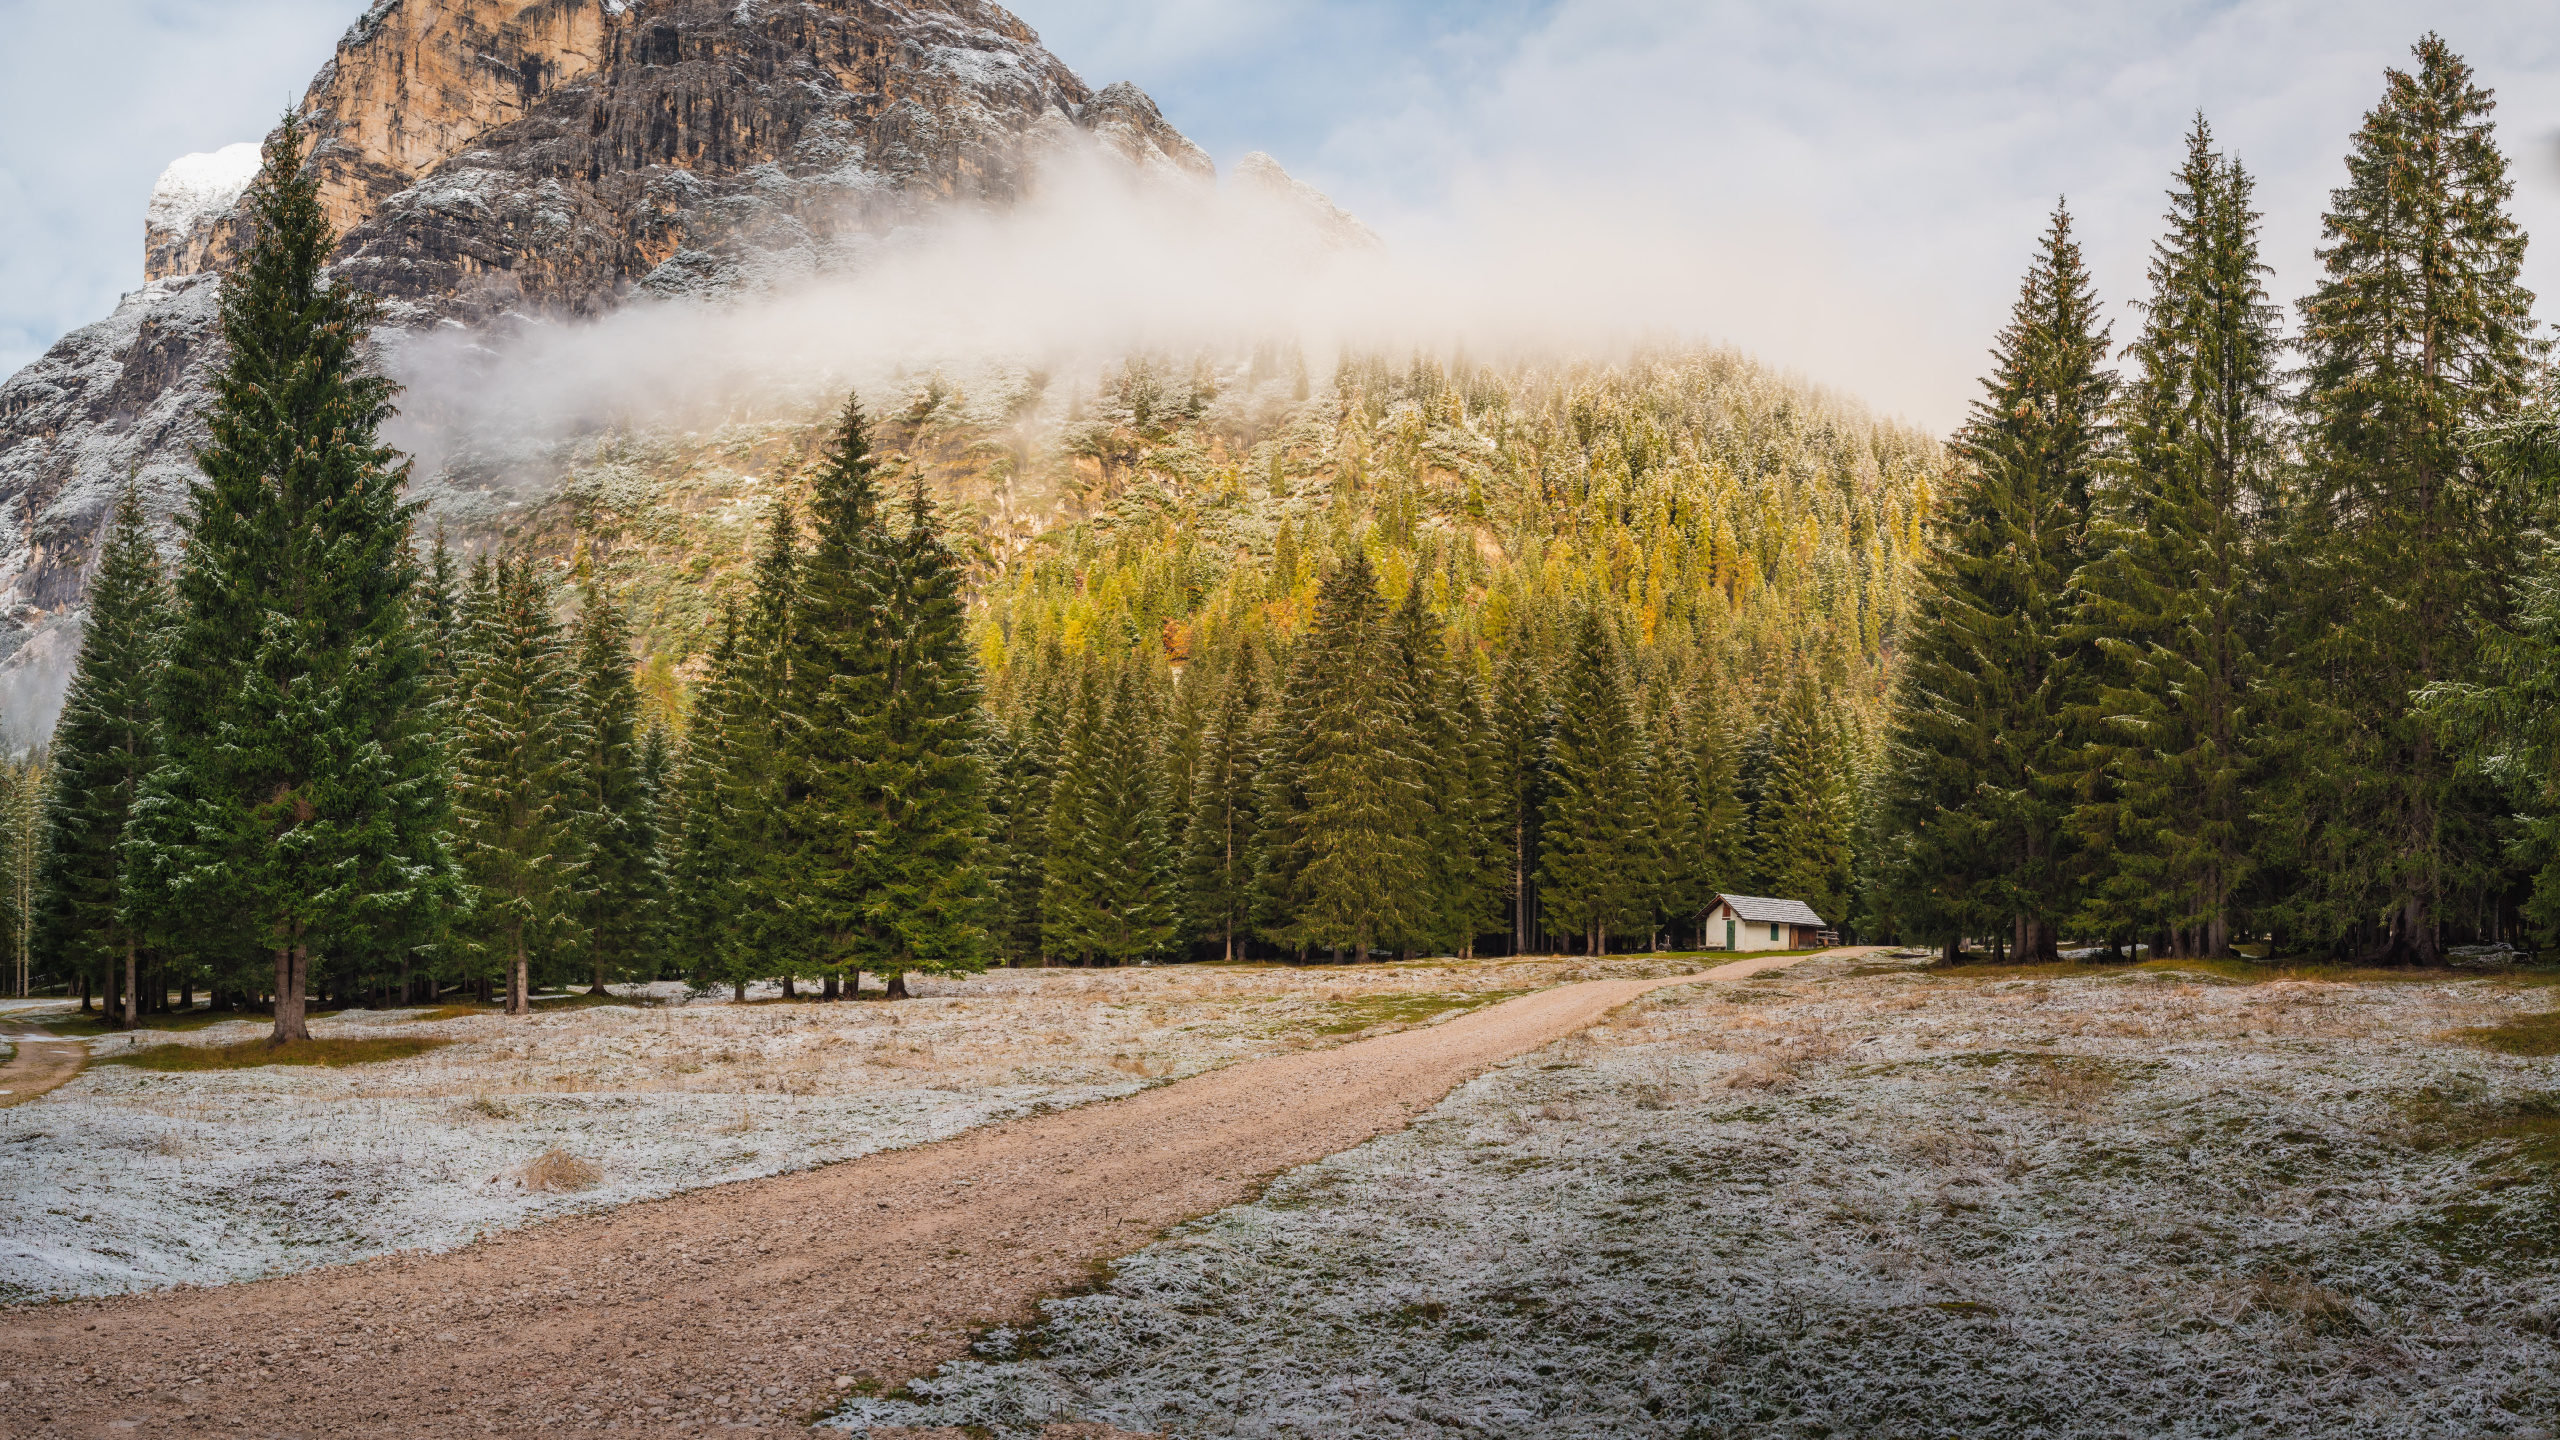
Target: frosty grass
(127, 1179)
(1876, 1204)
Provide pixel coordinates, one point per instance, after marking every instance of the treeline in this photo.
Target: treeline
(2250, 640)
(314, 762)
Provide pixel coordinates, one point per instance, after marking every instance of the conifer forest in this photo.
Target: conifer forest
(935, 880)
(2232, 632)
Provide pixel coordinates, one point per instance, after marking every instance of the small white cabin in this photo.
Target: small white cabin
(1756, 922)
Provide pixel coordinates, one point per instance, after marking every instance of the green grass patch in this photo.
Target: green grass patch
(2524, 1035)
(95, 1023)
(1349, 1017)
(250, 1054)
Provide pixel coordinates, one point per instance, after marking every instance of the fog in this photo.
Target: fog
(1093, 268)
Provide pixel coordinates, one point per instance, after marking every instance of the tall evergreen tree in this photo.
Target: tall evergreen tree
(1521, 729)
(1446, 824)
(924, 755)
(618, 885)
(300, 805)
(1110, 885)
(1804, 833)
(521, 753)
(1354, 804)
(2172, 594)
(1218, 859)
(1983, 752)
(1592, 873)
(699, 839)
(2418, 331)
(104, 746)
(1018, 807)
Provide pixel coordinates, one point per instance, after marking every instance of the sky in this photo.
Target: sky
(1849, 188)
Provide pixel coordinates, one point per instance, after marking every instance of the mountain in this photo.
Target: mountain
(494, 165)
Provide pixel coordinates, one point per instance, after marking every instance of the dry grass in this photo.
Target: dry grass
(334, 1053)
(557, 1172)
(2524, 1035)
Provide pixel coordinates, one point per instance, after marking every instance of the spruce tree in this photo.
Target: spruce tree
(2171, 594)
(105, 745)
(1018, 807)
(1361, 802)
(520, 769)
(1521, 729)
(1443, 878)
(1218, 859)
(300, 803)
(1111, 890)
(778, 931)
(925, 776)
(1983, 753)
(1804, 832)
(1591, 861)
(2418, 332)
(618, 884)
(1717, 838)
(698, 837)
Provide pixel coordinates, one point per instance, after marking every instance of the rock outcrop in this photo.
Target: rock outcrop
(497, 161)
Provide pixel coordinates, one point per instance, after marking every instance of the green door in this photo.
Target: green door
(1728, 935)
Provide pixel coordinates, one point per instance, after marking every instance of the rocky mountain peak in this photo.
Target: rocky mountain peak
(546, 160)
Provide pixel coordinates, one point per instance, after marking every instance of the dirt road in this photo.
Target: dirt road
(41, 1064)
(745, 1306)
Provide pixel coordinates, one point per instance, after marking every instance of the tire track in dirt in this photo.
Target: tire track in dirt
(742, 1306)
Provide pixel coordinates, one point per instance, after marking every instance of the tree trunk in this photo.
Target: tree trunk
(519, 979)
(84, 992)
(597, 988)
(1954, 951)
(829, 988)
(897, 985)
(293, 972)
(132, 987)
(738, 992)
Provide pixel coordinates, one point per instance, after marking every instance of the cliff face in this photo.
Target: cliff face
(549, 159)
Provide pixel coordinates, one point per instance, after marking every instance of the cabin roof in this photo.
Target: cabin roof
(1764, 909)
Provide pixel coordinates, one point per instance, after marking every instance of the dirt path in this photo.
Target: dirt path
(42, 1062)
(742, 1305)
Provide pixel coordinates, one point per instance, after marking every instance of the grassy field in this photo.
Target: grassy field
(1870, 1199)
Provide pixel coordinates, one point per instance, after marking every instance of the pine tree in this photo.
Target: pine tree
(1982, 754)
(1521, 734)
(1218, 861)
(2171, 594)
(1716, 841)
(1110, 889)
(1591, 852)
(699, 838)
(1804, 832)
(520, 771)
(1355, 820)
(1019, 816)
(24, 781)
(925, 777)
(300, 806)
(779, 929)
(618, 885)
(2418, 332)
(1672, 883)
(1443, 880)
(104, 746)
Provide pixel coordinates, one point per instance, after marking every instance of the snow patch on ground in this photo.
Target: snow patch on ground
(1877, 1204)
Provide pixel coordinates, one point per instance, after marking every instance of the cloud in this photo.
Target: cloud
(1850, 187)
(95, 98)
